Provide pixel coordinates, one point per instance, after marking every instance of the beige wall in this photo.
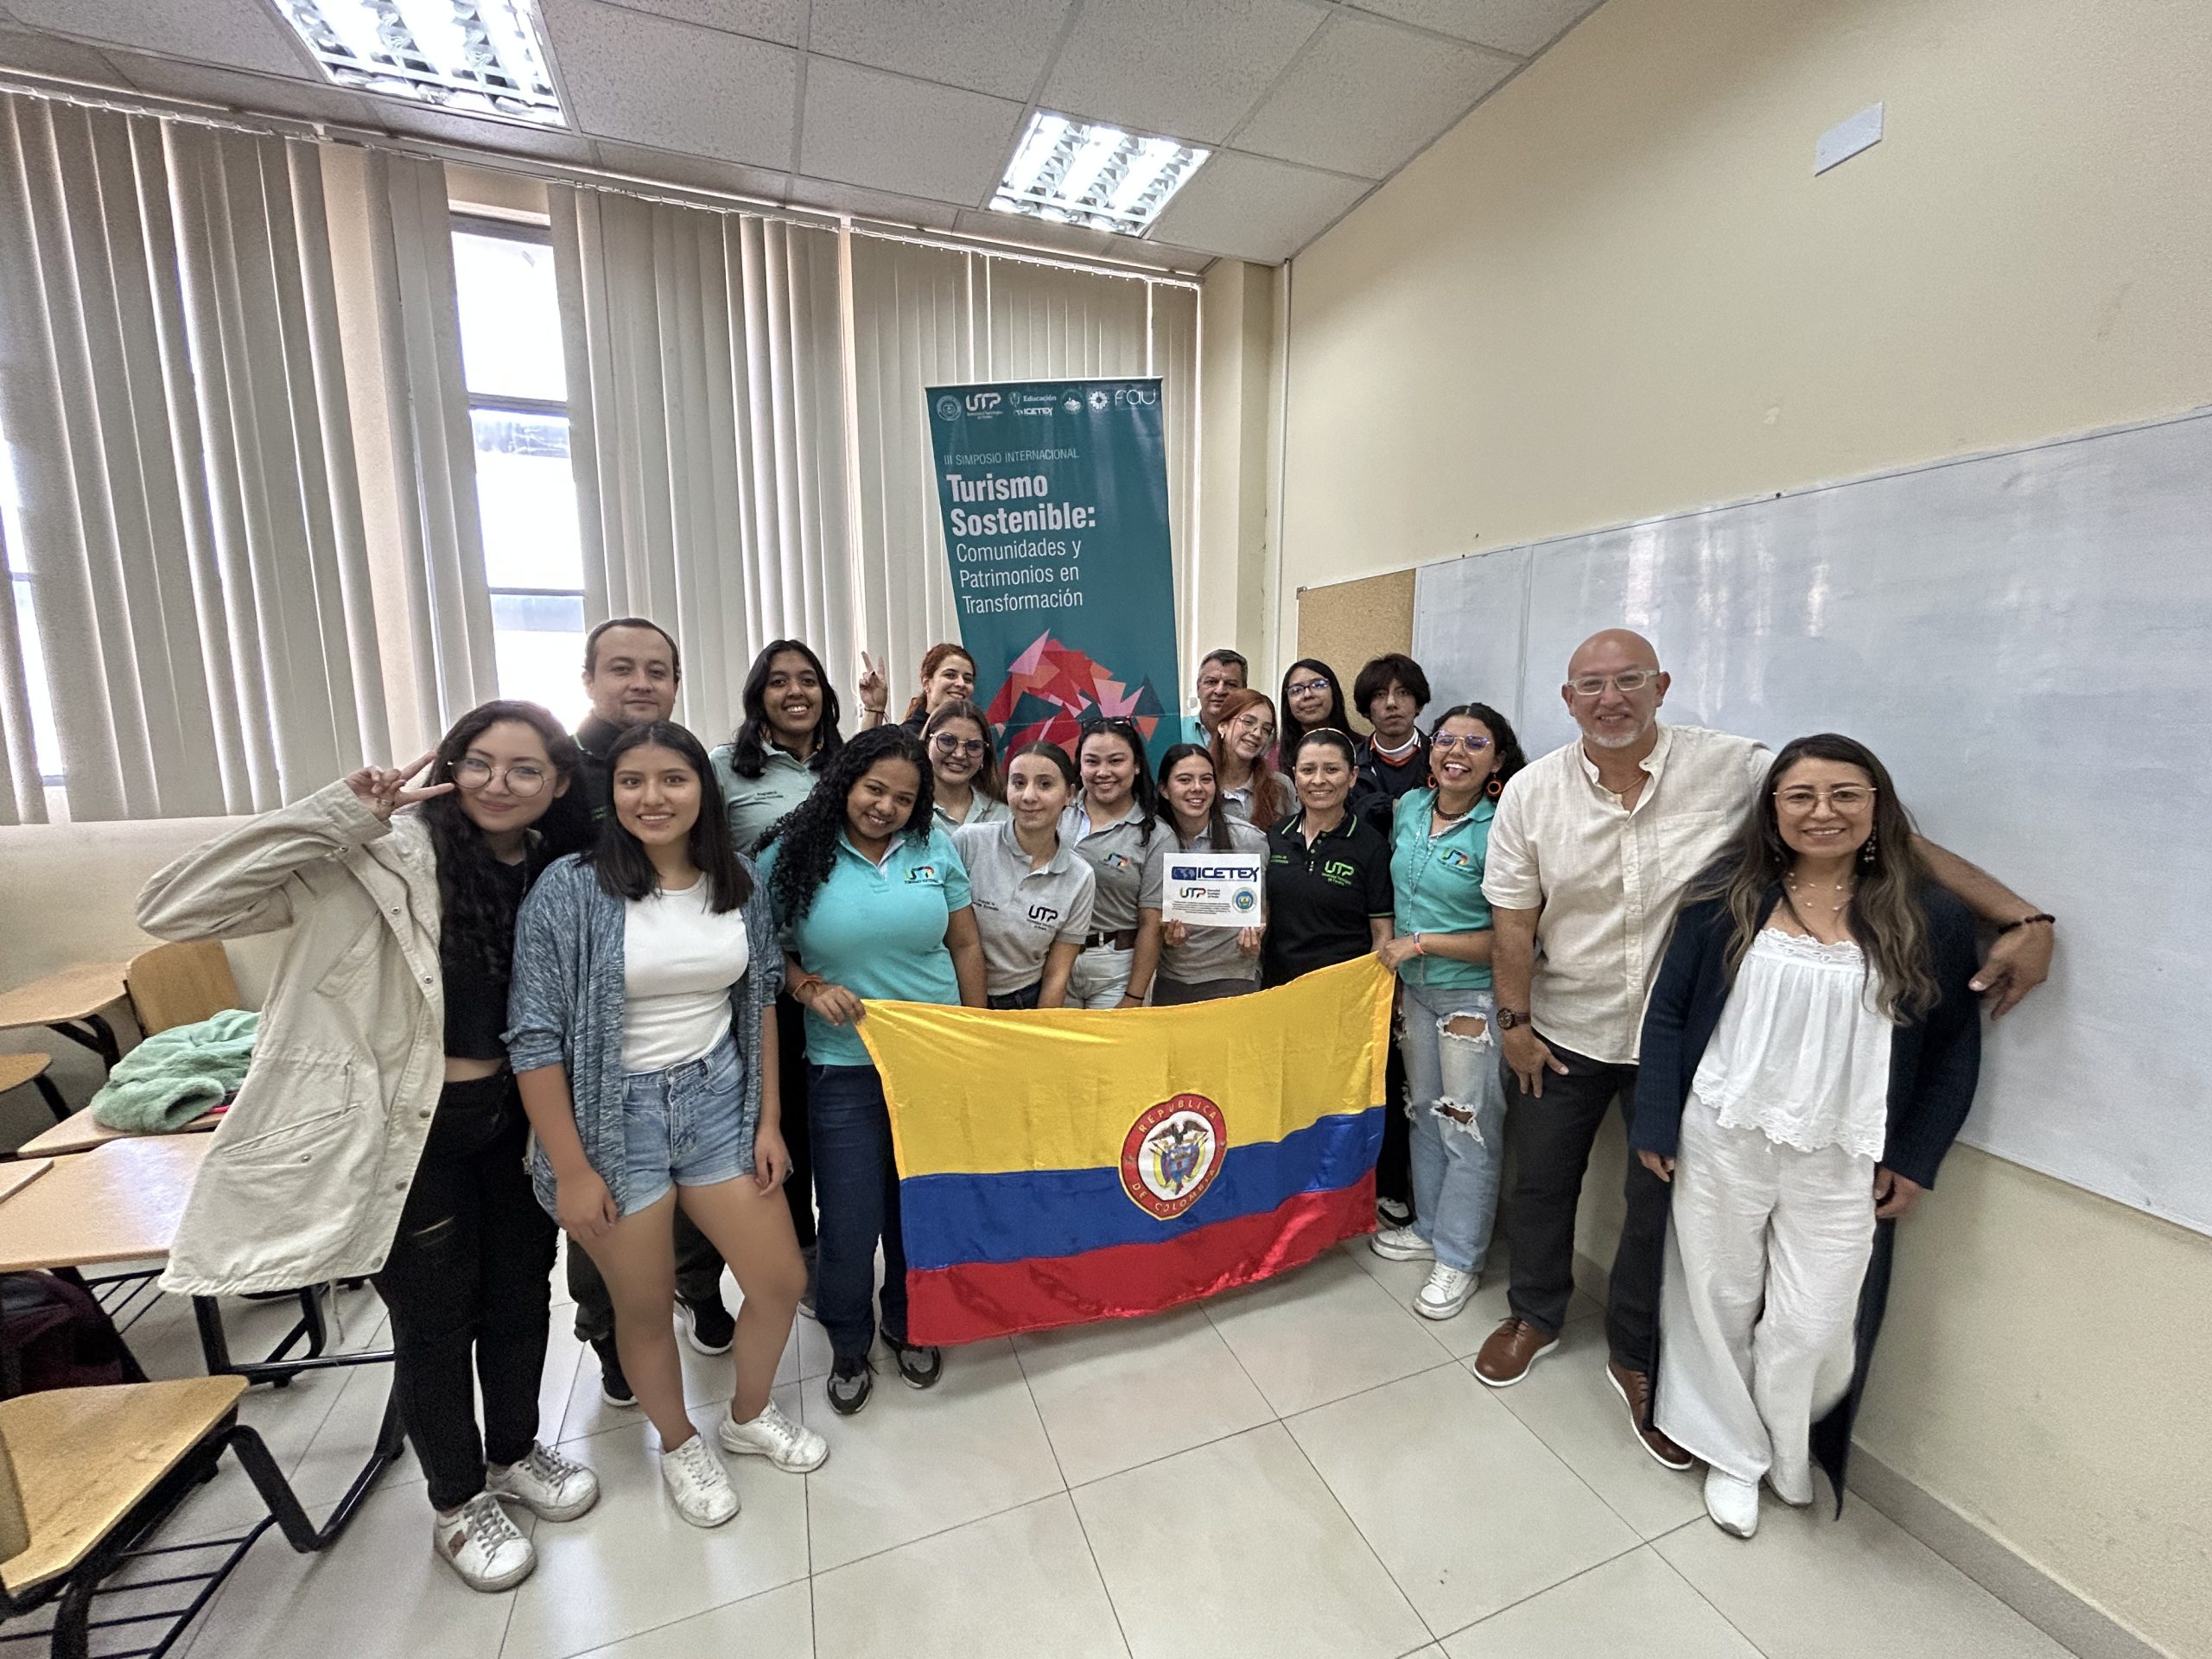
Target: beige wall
(1617, 290)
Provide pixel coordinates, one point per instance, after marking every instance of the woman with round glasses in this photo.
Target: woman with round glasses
(344, 1156)
(1440, 951)
(1243, 740)
(964, 767)
(1810, 1052)
(1312, 698)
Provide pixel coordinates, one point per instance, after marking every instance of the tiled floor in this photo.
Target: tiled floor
(1303, 1468)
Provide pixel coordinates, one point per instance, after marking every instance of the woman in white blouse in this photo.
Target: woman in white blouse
(1810, 1050)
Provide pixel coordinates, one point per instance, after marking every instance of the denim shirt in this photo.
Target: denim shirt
(566, 1008)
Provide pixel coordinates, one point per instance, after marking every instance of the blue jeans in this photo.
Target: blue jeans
(1455, 1166)
(856, 1185)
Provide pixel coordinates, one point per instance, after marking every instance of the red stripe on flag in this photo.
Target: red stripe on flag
(978, 1299)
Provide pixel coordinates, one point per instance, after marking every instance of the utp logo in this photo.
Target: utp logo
(981, 402)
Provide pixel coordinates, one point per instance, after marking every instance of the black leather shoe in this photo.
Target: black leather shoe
(851, 1382)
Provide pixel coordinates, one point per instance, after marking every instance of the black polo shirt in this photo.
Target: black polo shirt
(1319, 899)
(571, 824)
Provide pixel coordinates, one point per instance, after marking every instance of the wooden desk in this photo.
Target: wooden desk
(81, 1132)
(70, 1002)
(16, 1069)
(119, 1202)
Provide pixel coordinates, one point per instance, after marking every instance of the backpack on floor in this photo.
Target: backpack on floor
(53, 1335)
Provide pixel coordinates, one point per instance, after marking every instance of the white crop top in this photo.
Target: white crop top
(679, 960)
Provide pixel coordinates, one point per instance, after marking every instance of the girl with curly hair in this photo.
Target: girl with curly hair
(377, 875)
(873, 902)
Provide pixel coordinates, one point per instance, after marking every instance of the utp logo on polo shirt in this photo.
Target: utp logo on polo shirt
(1338, 873)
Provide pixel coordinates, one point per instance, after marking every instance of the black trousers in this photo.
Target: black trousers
(1550, 1140)
(1393, 1177)
(470, 1284)
(791, 1054)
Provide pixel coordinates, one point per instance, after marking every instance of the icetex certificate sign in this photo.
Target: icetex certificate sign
(1209, 889)
(1054, 495)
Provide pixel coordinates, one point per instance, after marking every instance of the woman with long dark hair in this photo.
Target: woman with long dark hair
(788, 735)
(644, 1034)
(1328, 869)
(1110, 826)
(1810, 1050)
(1440, 948)
(874, 903)
(376, 875)
(1194, 964)
(1033, 895)
(965, 785)
(1243, 745)
(1312, 698)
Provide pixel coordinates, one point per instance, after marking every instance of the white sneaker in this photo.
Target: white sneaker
(546, 1484)
(695, 1479)
(775, 1437)
(1401, 1244)
(1732, 1503)
(480, 1543)
(1445, 1293)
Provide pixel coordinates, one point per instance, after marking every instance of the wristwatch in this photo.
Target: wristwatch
(1509, 1018)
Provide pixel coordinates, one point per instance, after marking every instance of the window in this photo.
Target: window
(525, 494)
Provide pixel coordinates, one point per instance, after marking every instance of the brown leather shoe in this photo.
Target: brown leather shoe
(1635, 1390)
(1508, 1351)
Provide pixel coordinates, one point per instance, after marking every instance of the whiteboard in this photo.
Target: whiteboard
(2026, 641)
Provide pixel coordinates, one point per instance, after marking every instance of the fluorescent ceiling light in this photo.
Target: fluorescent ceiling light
(1080, 173)
(476, 57)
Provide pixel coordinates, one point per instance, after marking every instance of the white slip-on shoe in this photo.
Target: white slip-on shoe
(696, 1480)
(1445, 1293)
(1732, 1503)
(546, 1484)
(772, 1435)
(480, 1543)
(1399, 1244)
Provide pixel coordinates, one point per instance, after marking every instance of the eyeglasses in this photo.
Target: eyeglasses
(1254, 722)
(1305, 687)
(524, 780)
(946, 743)
(1628, 681)
(1453, 740)
(1843, 797)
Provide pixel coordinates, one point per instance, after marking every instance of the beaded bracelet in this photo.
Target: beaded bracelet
(2040, 915)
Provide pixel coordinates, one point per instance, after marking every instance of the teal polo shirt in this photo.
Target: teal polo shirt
(878, 931)
(1439, 883)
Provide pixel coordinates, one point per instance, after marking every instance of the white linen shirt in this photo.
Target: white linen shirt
(1608, 878)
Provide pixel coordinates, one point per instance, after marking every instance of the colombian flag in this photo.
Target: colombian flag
(1058, 1166)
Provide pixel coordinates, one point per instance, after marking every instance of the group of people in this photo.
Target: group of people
(611, 983)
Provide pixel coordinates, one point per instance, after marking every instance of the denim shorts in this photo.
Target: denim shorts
(686, 1126)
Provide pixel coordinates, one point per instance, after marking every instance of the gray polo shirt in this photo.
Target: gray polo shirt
(982, 809)
(1238, 803)
(755, 804)
(1021, 913)
(1116, 852)
(1211, 952)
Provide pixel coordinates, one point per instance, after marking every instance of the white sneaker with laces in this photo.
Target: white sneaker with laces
(1445, 1293)
(546, 1484)
(775, 1437)
(1732, 1503)
(480, 1543)
(695, 1479)
(1401, 1244)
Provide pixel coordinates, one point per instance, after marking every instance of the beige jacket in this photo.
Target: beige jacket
(309, 1168)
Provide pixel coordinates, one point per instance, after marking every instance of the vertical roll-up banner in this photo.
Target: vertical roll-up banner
(1055, 502)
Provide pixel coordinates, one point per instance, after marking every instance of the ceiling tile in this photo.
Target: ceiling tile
(692, 172)
(1184, 69)
(304, 100)
(1365, 96)
(505, 137)
(781, 21)
(48, 55)
(1250, 208)
(643, 78)
(867, 128)
(989, 46)
(1524, 27)
(241, 33)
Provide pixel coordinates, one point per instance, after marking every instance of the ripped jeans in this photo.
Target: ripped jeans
(1455, 1165)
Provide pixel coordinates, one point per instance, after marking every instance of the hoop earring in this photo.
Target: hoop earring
(1866, 851)
(1495, 787)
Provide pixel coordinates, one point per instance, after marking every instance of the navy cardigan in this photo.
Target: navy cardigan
(1933, 1061)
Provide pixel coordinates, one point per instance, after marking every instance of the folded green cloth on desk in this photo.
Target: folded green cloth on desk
(175, 1075)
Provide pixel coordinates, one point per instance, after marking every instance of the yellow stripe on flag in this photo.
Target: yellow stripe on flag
(978, 1092)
